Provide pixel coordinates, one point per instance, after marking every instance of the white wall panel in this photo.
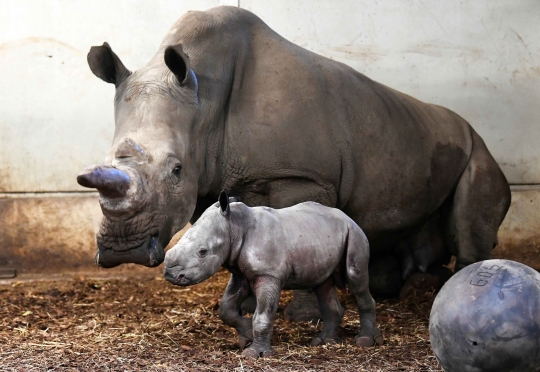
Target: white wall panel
(56, 117)
(479, 58)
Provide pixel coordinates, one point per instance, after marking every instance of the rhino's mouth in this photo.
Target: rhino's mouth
(175, 277)
(150, 254)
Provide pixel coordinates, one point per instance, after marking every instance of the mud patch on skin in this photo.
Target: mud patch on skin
(145, 323)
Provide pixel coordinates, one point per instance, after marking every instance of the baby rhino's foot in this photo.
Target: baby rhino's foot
(256, 352)
(366, 341)
(322, 340)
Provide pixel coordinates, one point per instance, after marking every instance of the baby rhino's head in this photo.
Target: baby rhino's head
(202, 250)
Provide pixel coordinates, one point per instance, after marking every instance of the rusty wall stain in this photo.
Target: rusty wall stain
(52, 235)
(48, 234)
(519, 235)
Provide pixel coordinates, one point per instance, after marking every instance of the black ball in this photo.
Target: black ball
(487, 318)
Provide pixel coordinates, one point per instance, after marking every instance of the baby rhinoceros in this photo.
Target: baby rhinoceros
(267, 250)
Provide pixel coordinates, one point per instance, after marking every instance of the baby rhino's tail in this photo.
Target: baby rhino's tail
(358, 281)
(356, 251)
(357, 254)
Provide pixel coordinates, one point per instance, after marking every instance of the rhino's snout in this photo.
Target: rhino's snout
(150, 253)
(156, 253)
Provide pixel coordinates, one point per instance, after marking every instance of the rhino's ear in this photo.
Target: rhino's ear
(224, 203)
(178, 62)
(106, 65)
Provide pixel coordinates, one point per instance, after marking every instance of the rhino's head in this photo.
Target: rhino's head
(148, 183)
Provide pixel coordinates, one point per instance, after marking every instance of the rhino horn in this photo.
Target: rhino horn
(109, 181)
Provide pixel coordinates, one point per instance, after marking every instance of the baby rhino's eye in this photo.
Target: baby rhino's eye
(202, 252)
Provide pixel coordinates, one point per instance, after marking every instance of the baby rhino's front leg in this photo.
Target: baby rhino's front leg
(267, 291)
(229, 310)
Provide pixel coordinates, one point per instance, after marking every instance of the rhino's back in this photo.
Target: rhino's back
(390, 159)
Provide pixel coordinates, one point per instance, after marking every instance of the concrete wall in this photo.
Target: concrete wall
(481, 59)
(56, 117)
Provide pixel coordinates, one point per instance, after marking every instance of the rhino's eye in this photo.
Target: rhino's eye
(202, 252)
(177, 168)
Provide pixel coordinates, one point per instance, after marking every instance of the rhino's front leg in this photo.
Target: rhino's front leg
(267, 291)
(229, 310)
(303, 307)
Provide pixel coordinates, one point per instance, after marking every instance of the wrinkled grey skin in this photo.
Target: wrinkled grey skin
(306, 246)
(226, 103)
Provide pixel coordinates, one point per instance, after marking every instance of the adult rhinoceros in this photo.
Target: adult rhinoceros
(226, 103)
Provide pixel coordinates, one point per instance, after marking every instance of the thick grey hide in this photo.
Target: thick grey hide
(307, 246)
(228, 103)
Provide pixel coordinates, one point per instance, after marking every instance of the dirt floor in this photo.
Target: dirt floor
(146, 324)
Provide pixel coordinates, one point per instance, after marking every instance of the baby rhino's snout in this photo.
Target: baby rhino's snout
(173, 271)
(176, 275)
(172, 258)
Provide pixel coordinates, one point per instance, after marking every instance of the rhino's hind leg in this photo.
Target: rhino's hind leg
(249, 305)
(229, 310)
(428, 253)
(421, 283)
(358, 281)
(385, 275)
(331, 313)
(473, 216)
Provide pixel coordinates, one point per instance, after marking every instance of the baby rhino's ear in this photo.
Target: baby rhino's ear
(224, 203)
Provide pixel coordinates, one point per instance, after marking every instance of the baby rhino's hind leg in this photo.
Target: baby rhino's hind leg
(331, 313)
(358, 281)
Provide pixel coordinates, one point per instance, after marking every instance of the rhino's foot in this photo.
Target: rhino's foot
(421, 283)
(369, 340)
(258, 352)
(418, 284)
(321, 340)
(249, 305)
(245, 338)
(303, 307)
